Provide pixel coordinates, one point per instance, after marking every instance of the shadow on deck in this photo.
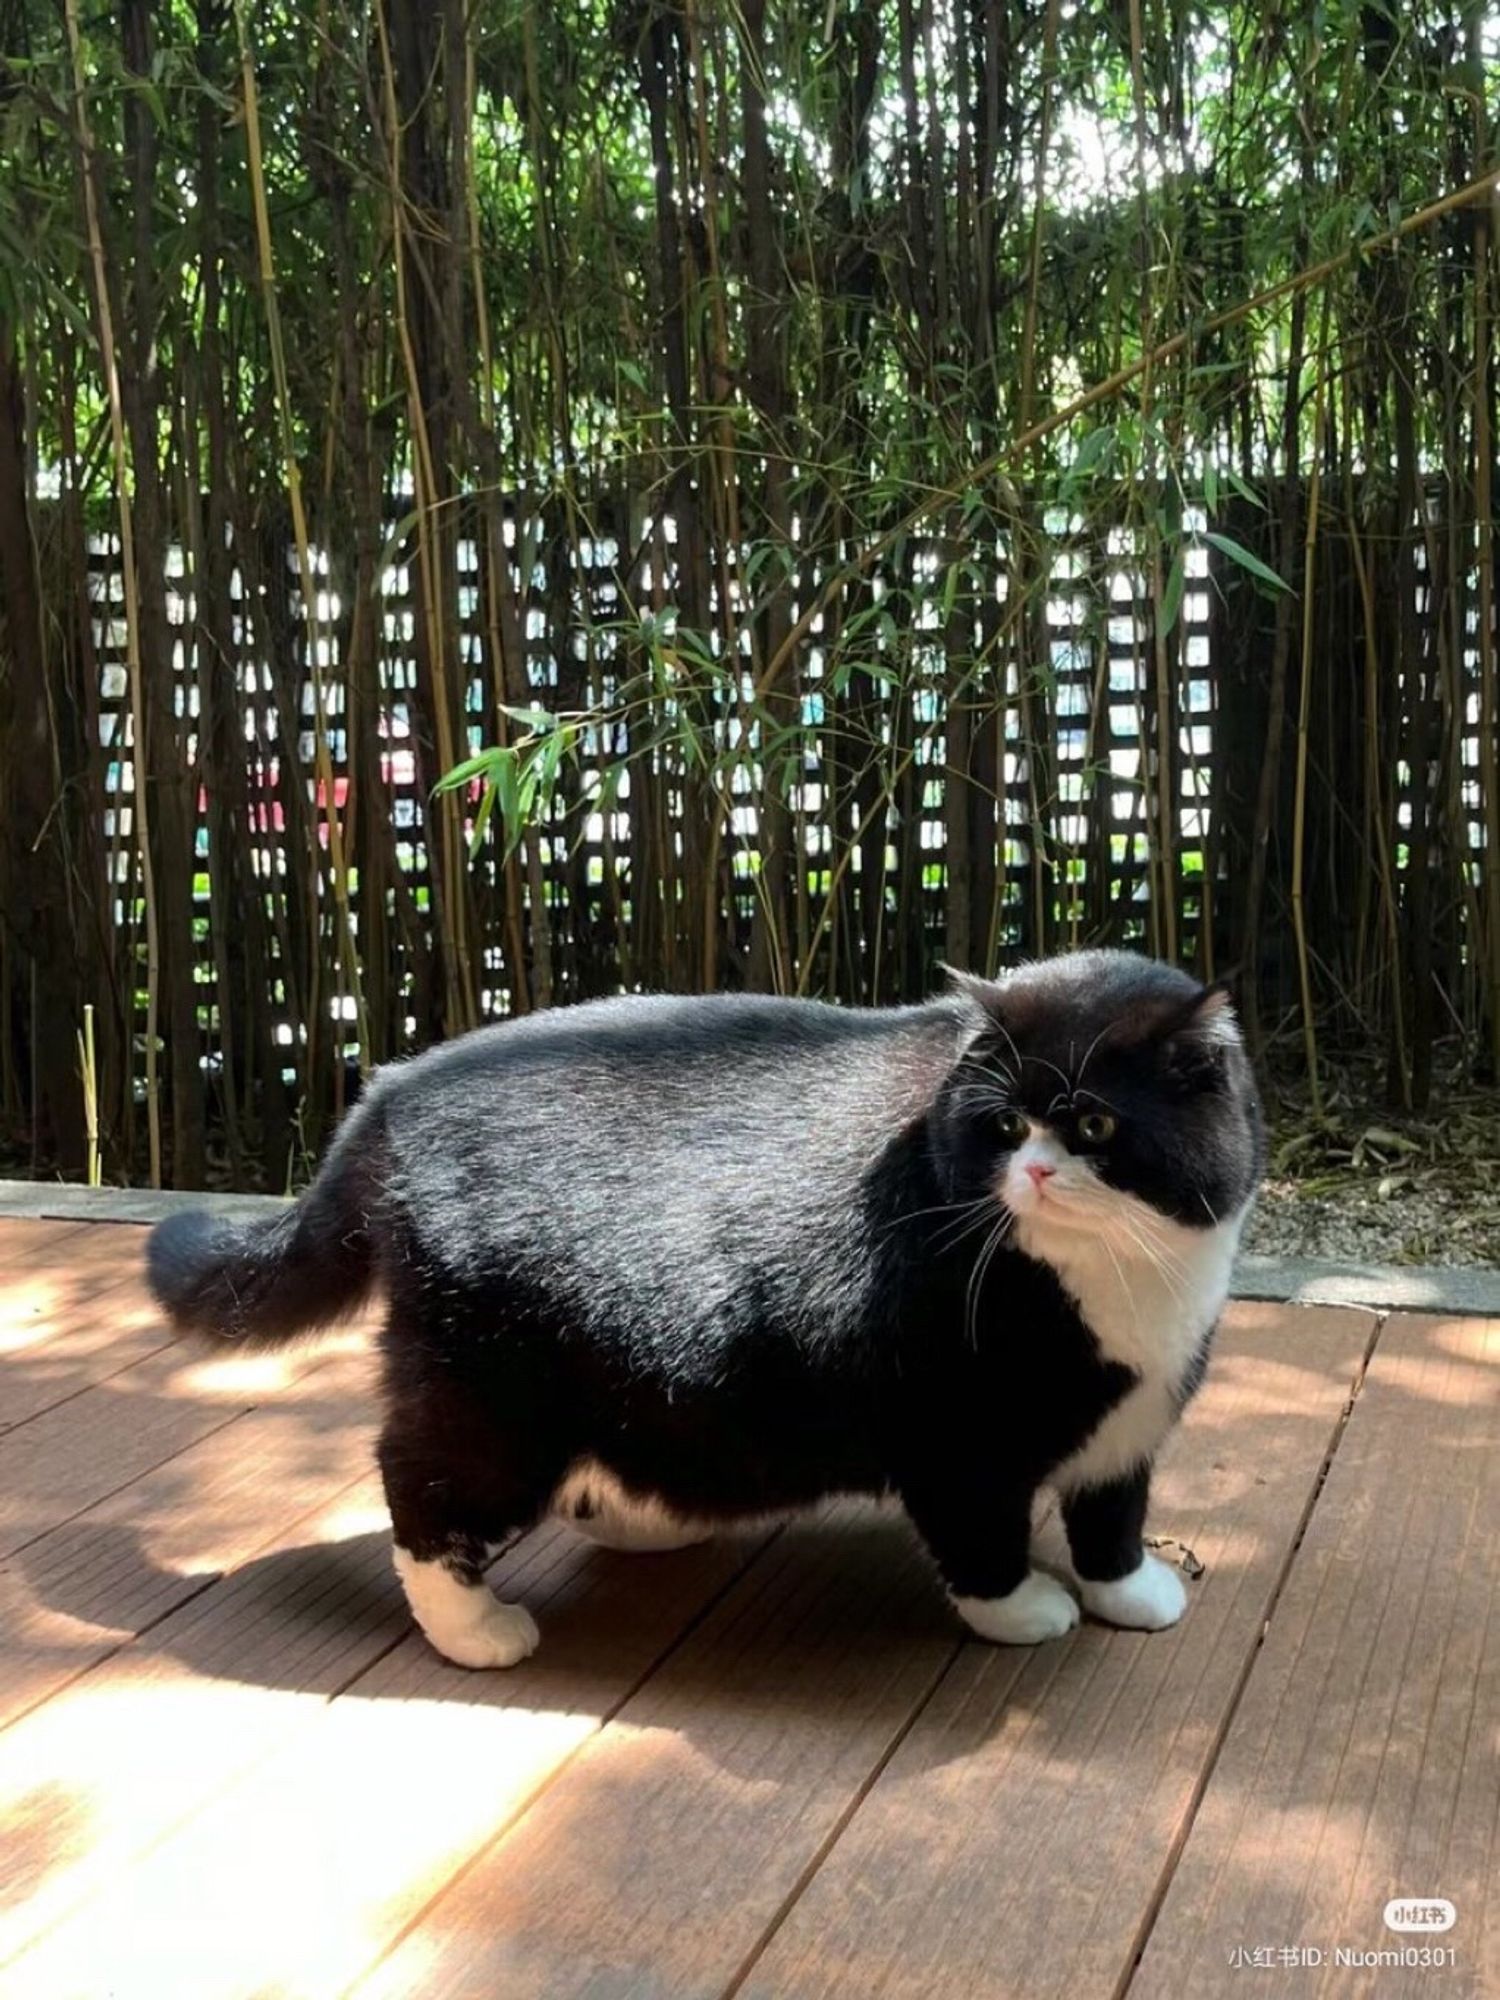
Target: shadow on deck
(769, 1766)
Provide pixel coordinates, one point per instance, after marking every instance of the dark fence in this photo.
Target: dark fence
(980, 750)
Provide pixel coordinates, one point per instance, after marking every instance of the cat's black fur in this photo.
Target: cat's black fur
(719, 1246)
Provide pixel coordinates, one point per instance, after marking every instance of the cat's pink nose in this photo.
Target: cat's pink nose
(1039, 1172)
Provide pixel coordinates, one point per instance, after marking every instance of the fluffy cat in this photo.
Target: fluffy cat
(661, 1263)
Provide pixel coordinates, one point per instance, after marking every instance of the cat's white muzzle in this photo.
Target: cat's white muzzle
(1045, 1184)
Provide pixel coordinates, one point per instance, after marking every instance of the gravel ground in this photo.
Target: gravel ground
(1355, 1225)
(1370, 1187)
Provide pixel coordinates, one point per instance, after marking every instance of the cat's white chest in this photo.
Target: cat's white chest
(1149, 1311)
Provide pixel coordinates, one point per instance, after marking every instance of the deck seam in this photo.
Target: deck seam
(93, 1295)
(314, 1367)
(207, 1583)
(1470, 1290)
(840, 1826)
(8, 1431)
(1152, 1912)
(1399, 1709)
(64, 1520)
(550, 1778)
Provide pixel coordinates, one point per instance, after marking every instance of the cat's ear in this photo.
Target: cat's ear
(1196, 1050)
(1213, 1014)
(984, 993)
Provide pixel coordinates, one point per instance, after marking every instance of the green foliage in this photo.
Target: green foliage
(726, 441)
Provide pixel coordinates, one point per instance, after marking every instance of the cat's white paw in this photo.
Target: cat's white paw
(1147, 1600)
(1038, 1608)
(501, 1636)
(465, 1622)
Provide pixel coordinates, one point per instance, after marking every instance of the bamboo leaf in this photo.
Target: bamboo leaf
(1246, 559)
(1243, 487)
(482, 818)
(1171, 597)
(462, 774)
(540, 721)
(1093, 454)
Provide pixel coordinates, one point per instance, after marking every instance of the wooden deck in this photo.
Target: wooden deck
(771, 1766)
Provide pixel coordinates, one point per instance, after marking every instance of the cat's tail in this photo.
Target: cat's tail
(258, 1284)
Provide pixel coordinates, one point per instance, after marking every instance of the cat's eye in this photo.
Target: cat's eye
(1095, 1127)
(1013, 1126)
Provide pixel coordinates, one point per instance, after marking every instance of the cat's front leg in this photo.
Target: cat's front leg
(1118, 1579)
(980, 1538)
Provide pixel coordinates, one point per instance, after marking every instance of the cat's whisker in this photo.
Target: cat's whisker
(977, 1276)
(937, 1208)
(956, 1235)
(1174, 1279)
(1151, 1228)
(1109, 1251)
(1042, 1063)
(1010, 1043)
(1087, 1056)
(1082, 1090)
(1145, 1220)
(999, 1078)
(983, 1093)
(1114, 1213)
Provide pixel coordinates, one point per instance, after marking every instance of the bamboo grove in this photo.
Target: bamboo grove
(502, 502)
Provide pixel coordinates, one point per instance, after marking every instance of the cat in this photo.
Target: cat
(660, 1264)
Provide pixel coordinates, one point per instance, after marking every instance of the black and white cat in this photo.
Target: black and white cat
(663, 1263)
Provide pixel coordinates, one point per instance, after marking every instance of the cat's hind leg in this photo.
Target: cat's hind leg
(456, 1487)
(593, 1501)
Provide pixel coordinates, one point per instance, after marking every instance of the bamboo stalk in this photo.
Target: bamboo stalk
(1299, 811)
(497, 560)
(448, 864)
(1377, 815)
(109, 364)
(88, 1064)
(322, 757)
(1489, 688)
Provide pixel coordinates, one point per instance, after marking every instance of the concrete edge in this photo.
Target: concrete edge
(1289, 1280)
(1452, 1288)
(56, 1202)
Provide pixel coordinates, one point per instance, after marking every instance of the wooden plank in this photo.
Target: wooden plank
(244, 1676)
(1016, 1841)
(1361, 1764)
(58, 1338)
(66, 1202)
(349, 1831)
(72, 1455)
(64, 1317)
(22, 1239)
(118, 1758)
(79, 1592)
(69, 1246)
(668, 1850)
(19, 1234)
(676, 1833)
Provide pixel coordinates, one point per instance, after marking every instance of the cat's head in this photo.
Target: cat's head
(1099, 1092)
